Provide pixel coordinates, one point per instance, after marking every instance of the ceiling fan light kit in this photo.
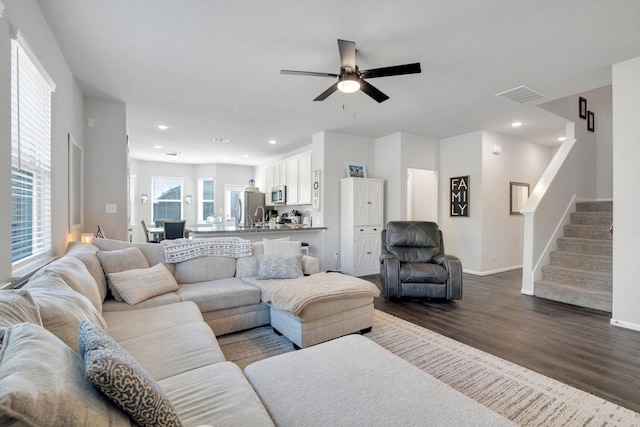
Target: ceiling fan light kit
(351, 79)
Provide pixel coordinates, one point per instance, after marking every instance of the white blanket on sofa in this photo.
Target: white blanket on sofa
(183, 249)
(293, 295)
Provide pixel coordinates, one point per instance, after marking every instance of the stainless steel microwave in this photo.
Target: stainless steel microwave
(278, 195)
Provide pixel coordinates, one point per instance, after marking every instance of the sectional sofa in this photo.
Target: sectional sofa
(79, 348)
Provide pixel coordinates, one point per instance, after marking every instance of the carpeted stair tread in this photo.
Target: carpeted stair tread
(592, 218)
(575, 295)
(598, 232)
(582, 261)
(585, 246)
(572, 276)
(594, 206)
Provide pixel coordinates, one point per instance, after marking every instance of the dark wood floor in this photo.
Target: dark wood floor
(574, 345)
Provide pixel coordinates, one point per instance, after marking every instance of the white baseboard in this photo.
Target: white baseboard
(490, 272)
(626, 325)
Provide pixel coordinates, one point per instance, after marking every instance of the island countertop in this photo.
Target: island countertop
(194, 231)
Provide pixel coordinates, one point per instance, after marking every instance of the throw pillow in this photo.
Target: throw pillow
(120, 377)
(282, 248)
(138, 285)
(42, 383)
(121, 260)
(17, 306)
(275, 267)
(61, 308)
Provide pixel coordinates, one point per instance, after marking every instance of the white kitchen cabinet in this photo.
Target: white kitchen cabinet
(305, 190)
(361, 222)
(268, 181)
(292, 181)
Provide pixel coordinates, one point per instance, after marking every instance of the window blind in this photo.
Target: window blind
(31, 89)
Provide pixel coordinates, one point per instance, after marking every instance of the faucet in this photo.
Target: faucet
(261, 220)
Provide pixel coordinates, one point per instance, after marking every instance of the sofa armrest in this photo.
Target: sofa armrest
(310, 265)
(453, 266)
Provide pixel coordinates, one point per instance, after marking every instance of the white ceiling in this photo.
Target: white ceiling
(211, 68)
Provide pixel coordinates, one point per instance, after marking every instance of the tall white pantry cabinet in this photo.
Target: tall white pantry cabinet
(361, 222)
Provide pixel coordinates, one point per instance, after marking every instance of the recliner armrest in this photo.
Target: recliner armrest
(453, 266)
(390, 276)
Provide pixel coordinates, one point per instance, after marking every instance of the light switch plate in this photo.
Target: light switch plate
(112, 208)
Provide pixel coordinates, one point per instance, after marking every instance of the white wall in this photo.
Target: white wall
(462, 156)
(106, 167)
(626, 176)
(503, 233)
(490, 239)
(66, 117)
(337, 149)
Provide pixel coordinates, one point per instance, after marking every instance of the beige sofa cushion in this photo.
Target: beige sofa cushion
(205, 268)
(138, 285)
(18, 306)
(219, 294)
(86, 252)
(119, 260)
(41, 378)
(76, 275)
(157, 301)
(282, 248)
(249, 266)
(121, 378)
(216, 395)
(61, 308)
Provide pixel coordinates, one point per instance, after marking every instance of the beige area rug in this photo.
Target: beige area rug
(521, 395)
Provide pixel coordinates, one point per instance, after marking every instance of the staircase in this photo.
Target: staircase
(580, 272)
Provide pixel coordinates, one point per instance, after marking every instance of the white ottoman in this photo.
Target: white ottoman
(352, 381)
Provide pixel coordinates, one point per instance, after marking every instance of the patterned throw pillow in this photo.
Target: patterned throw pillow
(275, 267)
(121, 378)
(138, 285)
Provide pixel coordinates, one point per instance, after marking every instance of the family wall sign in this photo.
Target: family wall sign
(459, 196)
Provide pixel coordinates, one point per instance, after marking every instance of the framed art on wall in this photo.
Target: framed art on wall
(582, 108)
(356, 170)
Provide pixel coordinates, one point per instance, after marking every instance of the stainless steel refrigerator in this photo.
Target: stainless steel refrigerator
(248, 203)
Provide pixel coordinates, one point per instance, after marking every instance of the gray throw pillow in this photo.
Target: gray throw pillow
(121, 260)
(121, 378)
(42, 383)
(275, 267)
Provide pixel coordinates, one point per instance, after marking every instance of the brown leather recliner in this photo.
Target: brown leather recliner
(413, 262)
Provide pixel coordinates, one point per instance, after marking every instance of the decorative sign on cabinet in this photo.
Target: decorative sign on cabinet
(361, 222)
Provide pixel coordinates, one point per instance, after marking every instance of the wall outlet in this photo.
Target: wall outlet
(336, 255)
(110, 208)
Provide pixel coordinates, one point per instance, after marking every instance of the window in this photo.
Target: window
(205, 199)
(167, 198)
(31, 89)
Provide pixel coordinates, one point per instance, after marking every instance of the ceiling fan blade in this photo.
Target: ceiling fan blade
(324, 95)
(395, 70)
(347, 54)
(307, 73)
(372, 91)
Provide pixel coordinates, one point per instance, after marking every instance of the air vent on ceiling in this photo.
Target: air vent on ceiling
(221, 140)
(172, 154)
(521, 95)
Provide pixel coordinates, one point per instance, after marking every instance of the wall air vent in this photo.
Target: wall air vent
(521, 95)
(172, 154)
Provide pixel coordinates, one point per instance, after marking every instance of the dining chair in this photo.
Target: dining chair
(174, 229)
(146, 233)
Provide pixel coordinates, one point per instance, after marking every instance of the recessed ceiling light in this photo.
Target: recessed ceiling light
(157, 146)
(220, 140)
(163, 127)
(562, 138)
(245, 156)
(516, 124)
(272, 141)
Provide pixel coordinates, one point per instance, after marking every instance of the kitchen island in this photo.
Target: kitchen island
(314, 236)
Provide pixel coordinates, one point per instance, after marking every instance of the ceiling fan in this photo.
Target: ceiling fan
(352, 79)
